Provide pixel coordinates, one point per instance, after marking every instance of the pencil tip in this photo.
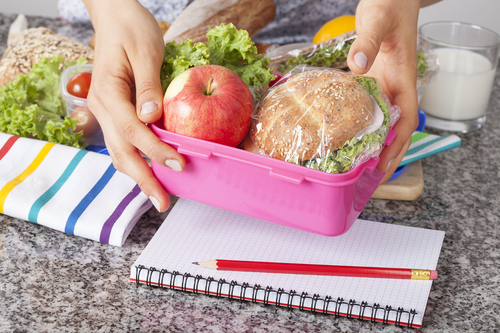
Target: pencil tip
(195, 263)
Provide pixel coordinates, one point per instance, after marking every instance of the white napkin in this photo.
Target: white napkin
(71, 190)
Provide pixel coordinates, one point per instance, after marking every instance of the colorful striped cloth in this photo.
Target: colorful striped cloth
(68, 189)
(425, 144)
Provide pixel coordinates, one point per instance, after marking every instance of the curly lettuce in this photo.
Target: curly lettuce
(179, 57)
(340, 160)
(226, 46)
(31, 106)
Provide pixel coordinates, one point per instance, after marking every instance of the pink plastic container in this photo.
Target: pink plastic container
(266, 188)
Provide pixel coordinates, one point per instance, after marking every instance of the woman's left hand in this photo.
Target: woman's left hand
(386, 48)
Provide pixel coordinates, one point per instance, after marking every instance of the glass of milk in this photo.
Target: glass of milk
(458, 98)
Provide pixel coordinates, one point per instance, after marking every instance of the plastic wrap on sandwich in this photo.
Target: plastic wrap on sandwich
(331, 53)
(427, 67)
(322, 118)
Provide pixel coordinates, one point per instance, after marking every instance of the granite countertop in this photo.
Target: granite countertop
(52, 282)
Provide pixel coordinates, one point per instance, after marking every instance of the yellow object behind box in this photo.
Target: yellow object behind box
(335, 27)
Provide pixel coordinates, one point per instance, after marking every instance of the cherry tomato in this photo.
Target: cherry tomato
(87, 122)
(79, 84)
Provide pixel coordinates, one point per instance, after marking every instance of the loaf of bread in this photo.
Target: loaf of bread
(310, 115)
(194, 22)
(34, 44)
(163, 27)
(262, 47)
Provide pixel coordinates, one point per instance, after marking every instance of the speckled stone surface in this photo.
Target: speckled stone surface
(53, 282)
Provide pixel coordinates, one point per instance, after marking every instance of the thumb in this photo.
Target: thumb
(149, 94)
(370, 31)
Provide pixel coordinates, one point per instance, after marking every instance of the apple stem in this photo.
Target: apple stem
(209, 91)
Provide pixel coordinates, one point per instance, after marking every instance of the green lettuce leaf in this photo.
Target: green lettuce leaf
(31, 106)
(179, 57)
(340, 160)
(254, 74)
(226, 46)
(229, 45)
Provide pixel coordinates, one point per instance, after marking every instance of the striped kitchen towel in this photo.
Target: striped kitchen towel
(425, 144)
(71, 190)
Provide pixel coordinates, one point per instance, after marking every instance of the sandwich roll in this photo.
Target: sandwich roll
(312, 114)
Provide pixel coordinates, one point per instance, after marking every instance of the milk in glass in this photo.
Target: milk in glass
(462, 88)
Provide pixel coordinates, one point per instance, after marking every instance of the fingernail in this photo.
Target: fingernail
(361, 60)
(155, 202)
(174, 165)
(389, 165)
(149, 107)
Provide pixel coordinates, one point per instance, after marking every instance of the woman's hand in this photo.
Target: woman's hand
(126, 91)
(386, 48)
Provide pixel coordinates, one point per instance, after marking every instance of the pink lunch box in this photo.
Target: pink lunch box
(266, 188)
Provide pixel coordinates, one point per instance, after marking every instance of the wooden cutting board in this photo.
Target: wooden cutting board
(408, 186)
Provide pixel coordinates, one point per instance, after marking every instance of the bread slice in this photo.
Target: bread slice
(34, 44)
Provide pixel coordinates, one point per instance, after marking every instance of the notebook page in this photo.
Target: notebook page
(197, 232)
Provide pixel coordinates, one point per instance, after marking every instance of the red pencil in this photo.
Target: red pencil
(309, 269)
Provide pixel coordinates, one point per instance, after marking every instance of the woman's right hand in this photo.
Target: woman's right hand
(126, 93)
(385, 48)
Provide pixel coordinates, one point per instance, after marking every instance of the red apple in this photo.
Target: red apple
(208, 102)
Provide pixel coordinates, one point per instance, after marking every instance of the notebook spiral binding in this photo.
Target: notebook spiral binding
(328, 302)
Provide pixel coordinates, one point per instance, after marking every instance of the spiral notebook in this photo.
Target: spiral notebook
(196, 232)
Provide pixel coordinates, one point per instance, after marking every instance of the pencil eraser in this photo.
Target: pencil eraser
(434, 275)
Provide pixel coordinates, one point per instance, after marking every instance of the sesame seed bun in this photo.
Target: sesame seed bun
(310, 115)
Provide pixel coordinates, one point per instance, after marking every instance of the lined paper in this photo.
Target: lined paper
(196, 232)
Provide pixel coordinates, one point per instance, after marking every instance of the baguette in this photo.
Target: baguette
(34, 44)
(201, 15)
(262, 47)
